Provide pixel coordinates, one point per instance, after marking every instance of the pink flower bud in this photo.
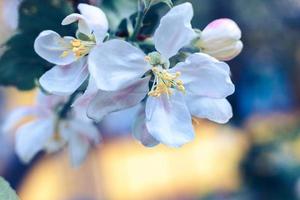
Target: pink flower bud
(221, 39)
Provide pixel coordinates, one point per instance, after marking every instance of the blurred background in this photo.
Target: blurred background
(255, 156)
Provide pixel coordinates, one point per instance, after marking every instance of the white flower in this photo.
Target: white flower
(68, 53)
(46, 133)
(221, 39)
(195, 87)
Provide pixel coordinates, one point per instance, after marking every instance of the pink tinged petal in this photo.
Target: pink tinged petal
(83, 25)
(116, 64)
(50, 46)
(64, 80)
(175, 30)
(96, 19)
(169, 120)
(205, 76)
(32, 137)
(222, 29)
(140, 130)
(107, 102)
(15, 117)
(221, 39)
(49, 102)
(84, 100)
(217, 110)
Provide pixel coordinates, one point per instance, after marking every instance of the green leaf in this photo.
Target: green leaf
(20, 66)
(117, 10)
(6, 192)
(149, 3)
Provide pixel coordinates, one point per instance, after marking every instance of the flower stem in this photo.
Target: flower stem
(139, 20)
(67, 106)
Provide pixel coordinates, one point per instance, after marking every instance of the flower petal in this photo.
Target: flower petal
(84, 100)
(116, 64)
(15, 117)
(217, 110)
(107, 102)
(78, 149)
(203, 75)
(175, 30)
(83, 25)
(140, 131)
(50, 46)
(83, 135)
(220, 31)
(64, 80)
(48, 102)
(96, 19)
(32, 137)
(86, 129)
(169, 120)
(226, 52)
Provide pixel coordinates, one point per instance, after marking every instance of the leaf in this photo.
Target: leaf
(20, 66)
(6, 192)
(149, 3)
(117, 10)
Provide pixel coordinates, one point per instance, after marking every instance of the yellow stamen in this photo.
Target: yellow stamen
(79, 48)
(164, 81)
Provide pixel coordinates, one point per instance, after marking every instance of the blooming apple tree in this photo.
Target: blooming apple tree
(175, 74)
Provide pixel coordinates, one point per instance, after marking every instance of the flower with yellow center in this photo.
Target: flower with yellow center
(70, 54)
(196, 87)
(46, 133)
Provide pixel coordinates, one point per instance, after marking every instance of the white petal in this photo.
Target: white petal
(50, 46)
(78, 149)
(140, 131)
(83, 25)
(203, 75)
(64, 80)
(119, 122)
(175, 30)
(169, 120)
(217, 110)
(15, 117)
(49, 102)
(84, 100)
(107, 102)
(226, 52)
(83, 135)
(116, 64)
(86, 129)
(96, 19)
(32, 137)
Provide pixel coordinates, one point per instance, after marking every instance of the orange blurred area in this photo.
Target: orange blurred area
(124, 169)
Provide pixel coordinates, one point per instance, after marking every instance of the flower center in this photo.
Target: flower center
(80, 48)
(164, 81)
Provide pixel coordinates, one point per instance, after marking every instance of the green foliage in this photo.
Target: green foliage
(117, 10)
(149, 3)
(20, 66)
(6, 192)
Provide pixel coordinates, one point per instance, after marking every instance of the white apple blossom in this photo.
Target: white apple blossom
(68, 53)
(47, 132)
(221, 39)
(196, 87)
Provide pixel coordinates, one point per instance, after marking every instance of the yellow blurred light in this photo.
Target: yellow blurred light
(124, 169)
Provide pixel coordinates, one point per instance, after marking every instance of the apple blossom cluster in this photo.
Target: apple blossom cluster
(97, 73)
